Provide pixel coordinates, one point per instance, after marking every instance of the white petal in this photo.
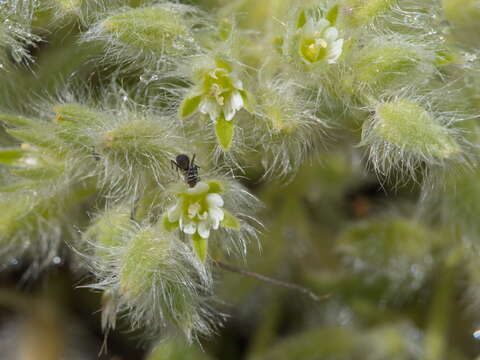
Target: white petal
(204, 229)
(210, 107)
(229, 110)
(335, 50)
(214, 200)
(193, 210)
(330, 34)
(237, 84)
(174, 212)
(309, 27)
(216, 215)
(190, 228)
(237, 100)
(201, 187)
(321, 25)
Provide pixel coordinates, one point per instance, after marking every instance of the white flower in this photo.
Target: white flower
(219, 90)
(318, 41)
(197, 210)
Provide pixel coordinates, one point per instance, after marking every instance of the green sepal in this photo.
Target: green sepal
(215, 187)
(248, 101)
(17, 120)
(200, 245)
(224, 131)
(189, 105)
(302, 19)
(36, 136)
(230, 221)
(167, 225)
(11, 156)
(75, 114)
(332, 15)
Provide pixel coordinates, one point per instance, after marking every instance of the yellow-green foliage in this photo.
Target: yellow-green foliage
(136, 136)
(360, 12)
(157, 29)
(411, 128)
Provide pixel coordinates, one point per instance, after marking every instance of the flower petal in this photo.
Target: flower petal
(210, 107)
(228, 109)
(330, 34)
(335, 51)
(190, 228)
(204, 229)
(237, 84)
(214, 200)
(321, 25)
(216, 215)
(309, 27)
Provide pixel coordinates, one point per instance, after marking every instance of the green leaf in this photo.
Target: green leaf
(11, 156)
(189, 106)
(167, 225)
(200, 245)
(332, 15)
(230, 221)
(224, 131)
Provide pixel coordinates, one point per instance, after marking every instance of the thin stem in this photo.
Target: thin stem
(277, 282)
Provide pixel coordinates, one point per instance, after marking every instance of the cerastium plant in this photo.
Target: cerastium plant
(91, 168)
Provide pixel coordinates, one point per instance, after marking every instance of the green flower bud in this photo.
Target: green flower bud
(361, 12)
(404, 133)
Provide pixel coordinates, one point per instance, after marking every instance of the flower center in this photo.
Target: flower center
(314, 50)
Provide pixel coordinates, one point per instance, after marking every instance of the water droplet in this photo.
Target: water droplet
(57, 260)
(476, 334)
(14, 262)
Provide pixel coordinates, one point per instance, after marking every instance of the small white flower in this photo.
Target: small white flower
(197, 210)
(318, 41)
(220, 90)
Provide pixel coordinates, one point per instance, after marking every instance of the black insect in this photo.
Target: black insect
(190, 171)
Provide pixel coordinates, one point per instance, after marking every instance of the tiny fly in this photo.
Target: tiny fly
(190, 171)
